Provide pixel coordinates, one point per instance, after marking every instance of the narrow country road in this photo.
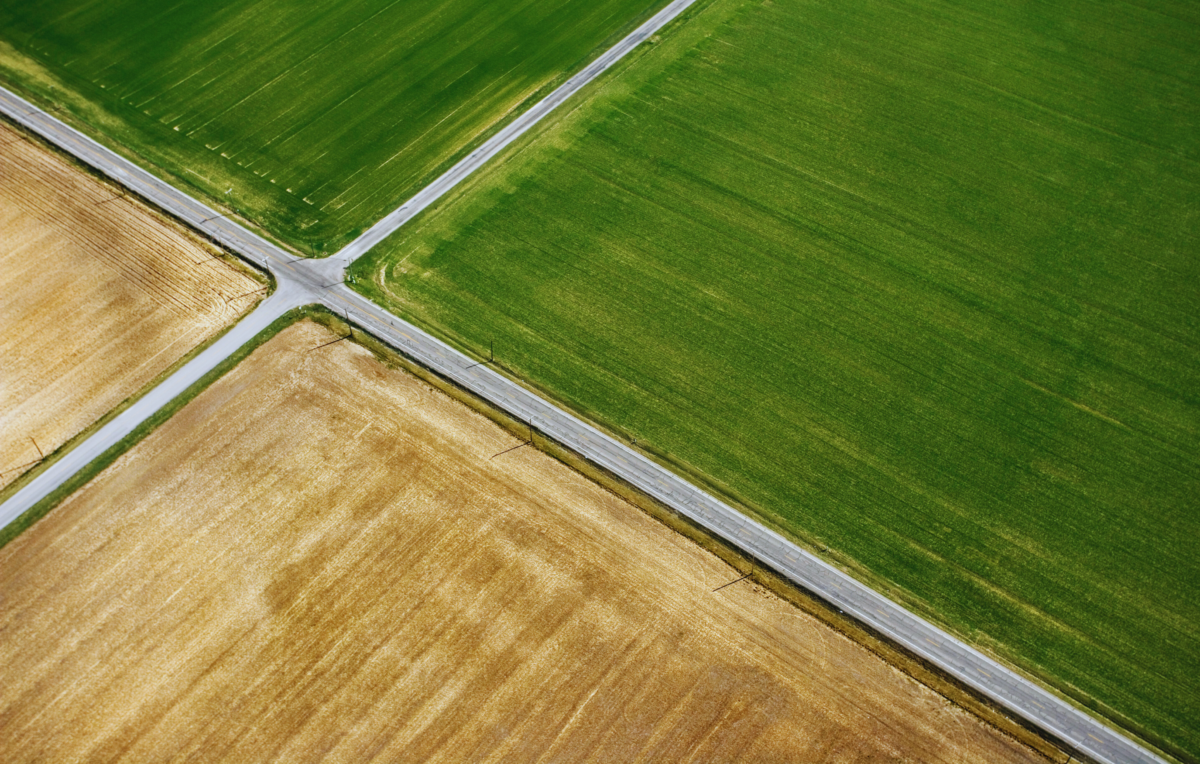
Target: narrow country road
(514, 130)
(303, 282)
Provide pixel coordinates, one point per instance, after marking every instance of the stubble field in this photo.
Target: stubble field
(913, 281)
(318, 118)
(319, 559)
(100, 296)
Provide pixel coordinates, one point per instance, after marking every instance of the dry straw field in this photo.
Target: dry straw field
(319, 558)
(100, 296)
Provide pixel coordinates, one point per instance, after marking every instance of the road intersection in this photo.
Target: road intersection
(302, 282)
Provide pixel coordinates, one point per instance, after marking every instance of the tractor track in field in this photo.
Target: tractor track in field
(303, 282)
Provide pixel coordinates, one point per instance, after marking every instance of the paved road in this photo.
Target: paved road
(315, 281)
(128, 420)
(514, 130)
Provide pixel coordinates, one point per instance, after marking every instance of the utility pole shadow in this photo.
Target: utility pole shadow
(528, 442)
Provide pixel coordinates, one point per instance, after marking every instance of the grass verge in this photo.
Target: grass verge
(80, 478)
(928, 309)
(392, 92)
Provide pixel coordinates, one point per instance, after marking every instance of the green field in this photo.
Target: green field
(320, 116)
(915, 281)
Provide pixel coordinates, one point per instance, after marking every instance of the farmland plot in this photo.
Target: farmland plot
(318, 559)
(312, 120)
(100, 296)
(913, 282)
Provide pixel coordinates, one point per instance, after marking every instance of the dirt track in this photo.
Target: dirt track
(100, 296)
(318, 559)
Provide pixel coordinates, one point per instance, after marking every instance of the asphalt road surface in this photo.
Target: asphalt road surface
(303, 282)
(514, 130)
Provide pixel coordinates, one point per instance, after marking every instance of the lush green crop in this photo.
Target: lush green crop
(918, 282)
(317, 117)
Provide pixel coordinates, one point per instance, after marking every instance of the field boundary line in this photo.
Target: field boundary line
(958, 659)
(387, 225)
(301, 282)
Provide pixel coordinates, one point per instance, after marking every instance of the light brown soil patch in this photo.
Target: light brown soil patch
(99, 298)
(319, 559)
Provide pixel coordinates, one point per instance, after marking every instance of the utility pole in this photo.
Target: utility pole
(349, 336)
(519, 445)
(120, 195)
(247, 294)
(491, 356)
(736, 580)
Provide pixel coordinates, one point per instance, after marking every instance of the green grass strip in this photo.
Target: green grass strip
(309, 121)
(102, 462)
(913, 282)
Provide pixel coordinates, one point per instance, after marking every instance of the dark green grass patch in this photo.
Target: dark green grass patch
(317, 118)
(917, 282)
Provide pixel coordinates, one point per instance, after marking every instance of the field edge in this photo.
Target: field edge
(81, 478)
(894, 655)
(364, 277)
(202, 240)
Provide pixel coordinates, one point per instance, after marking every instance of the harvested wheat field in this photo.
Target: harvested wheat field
(100, 296)
(319, 559)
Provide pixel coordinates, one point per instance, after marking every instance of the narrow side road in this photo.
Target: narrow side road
(145, 407)
(452, 177)
(302, 282)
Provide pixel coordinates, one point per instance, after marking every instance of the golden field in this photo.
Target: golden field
(101, 295)
(319, 559)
